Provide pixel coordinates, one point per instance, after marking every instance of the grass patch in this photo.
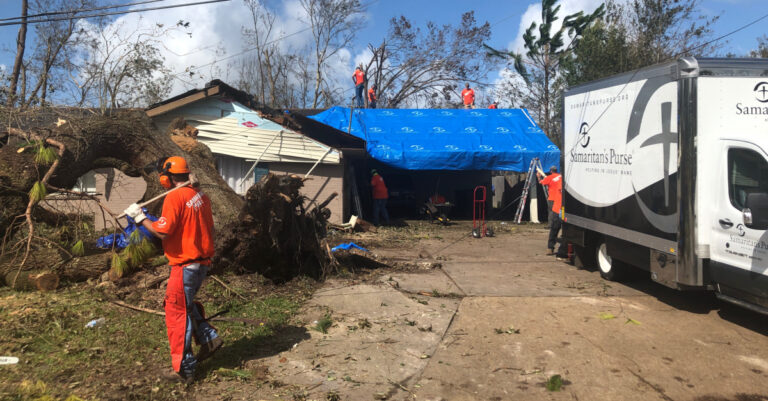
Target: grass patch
(60, 358)
(323, 324)
(554, 383)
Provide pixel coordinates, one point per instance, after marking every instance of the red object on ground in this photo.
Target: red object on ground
(478, 210)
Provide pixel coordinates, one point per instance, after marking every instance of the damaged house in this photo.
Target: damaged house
(250, 142)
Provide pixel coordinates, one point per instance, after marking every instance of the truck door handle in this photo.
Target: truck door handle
(725, 223)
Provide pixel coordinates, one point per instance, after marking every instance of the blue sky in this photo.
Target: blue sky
(219, 24)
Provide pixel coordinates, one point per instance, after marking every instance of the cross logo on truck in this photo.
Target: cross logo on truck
(584, 135)
(666, 138)
(761, 92)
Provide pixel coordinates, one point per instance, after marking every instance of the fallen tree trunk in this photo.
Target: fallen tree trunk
(127, 141)
(33, 280)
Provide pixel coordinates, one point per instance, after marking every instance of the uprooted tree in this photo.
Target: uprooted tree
(38, 158)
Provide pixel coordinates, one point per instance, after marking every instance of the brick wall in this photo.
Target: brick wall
(115, 190)
(325, 180)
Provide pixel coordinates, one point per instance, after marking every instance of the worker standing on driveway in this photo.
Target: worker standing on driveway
(554, 183)
(359, 79)
(380, 196)
(186, 229)
(552, 187)
(372, 97)
(468, 96)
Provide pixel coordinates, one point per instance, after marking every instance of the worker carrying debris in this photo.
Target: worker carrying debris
(186, 229)
(468, 96)
(372, 97)
(359, 79)
(554, 183)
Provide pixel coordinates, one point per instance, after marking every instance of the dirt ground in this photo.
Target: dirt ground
(496, 319)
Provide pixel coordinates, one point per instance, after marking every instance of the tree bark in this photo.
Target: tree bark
(20, 46)
(128, 141)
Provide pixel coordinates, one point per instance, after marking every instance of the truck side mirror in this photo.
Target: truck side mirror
(756, 211)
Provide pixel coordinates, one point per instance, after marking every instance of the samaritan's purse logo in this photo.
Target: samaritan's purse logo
(761, 92)
(584, 135)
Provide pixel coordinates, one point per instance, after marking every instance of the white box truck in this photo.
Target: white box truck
(666, 169)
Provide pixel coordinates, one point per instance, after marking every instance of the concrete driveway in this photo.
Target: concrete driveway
(501, 318)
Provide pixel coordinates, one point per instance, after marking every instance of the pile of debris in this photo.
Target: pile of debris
(275, 235)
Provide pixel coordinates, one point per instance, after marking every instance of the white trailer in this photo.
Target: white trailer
(666, 169)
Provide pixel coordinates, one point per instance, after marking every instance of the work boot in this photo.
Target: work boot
(176, 377)
(208, 349)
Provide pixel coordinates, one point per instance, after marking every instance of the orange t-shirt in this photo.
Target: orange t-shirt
(492, 106)
(371, 95)
(379, 188)
(554, 183)
(187, 221)
(468, 95)
(359, 77)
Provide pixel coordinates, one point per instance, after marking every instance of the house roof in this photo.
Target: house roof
(293, 119)
(213, 88)
(433, 139)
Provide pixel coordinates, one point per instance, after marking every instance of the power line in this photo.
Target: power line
(75, 11)
(664, 61)
(112, 13)
(722, 37)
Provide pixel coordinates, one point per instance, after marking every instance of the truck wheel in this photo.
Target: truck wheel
(610, 269)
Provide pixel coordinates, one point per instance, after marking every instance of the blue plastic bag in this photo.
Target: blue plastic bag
(121, 241)
(348, 246)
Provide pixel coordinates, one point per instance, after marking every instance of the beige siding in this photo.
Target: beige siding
(324, 181)
(115, 190)
(227, 137)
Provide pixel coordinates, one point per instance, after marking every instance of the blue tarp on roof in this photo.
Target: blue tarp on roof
(439, 139)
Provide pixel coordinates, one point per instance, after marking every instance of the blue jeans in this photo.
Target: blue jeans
(359, 95)
(194, 275)
(380, 208)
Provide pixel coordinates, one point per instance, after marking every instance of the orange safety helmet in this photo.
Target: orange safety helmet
(172, 165)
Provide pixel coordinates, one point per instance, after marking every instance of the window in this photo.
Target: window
(259, 172)
(747, 173)
(86, 183)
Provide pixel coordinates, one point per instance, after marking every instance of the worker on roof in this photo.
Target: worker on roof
(380, 196)
(554, 183)
(468, 96)
(372, 97)
(494, 105)
(359, 79)
(186, 229)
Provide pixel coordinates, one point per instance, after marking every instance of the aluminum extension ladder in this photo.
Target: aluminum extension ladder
(529, 180)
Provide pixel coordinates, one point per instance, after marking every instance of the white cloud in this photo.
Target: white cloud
(216, 34)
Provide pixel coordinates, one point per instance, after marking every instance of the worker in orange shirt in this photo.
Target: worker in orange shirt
(359, 79)
(186, 229)
(380, 196)
(372, 97)
(494, 105)
(468, 96)
(554, 183)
